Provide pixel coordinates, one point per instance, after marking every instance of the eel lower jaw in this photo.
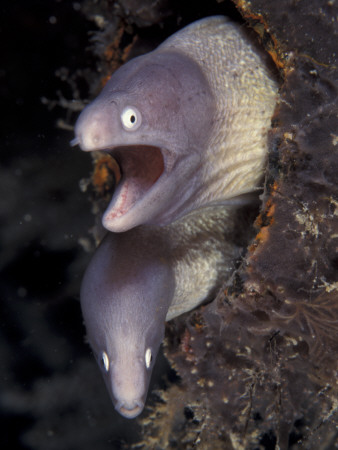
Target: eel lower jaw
(143, 169)
(130, 411)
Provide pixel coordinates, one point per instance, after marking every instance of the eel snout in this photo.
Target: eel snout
(130, 409)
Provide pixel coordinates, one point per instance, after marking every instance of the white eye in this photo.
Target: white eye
(131, 118)
(105, 361)
(148, 358)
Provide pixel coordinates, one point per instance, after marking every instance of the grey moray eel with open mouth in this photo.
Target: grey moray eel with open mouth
(187, 124)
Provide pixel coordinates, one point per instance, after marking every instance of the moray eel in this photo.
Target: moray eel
(186, 122)
(140, 278)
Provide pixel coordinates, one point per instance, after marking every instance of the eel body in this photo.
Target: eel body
(140, 278)
(187, 124)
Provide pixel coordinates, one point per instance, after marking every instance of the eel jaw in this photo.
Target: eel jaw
(130, 411)
(143, 168)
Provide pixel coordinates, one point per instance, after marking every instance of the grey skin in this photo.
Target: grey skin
(125, 296)
(187, 124)
(140, 278)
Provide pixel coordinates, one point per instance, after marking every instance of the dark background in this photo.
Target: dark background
(43, 395)
(51, 393)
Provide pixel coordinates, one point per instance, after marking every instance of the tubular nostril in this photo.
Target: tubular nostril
(75, 141)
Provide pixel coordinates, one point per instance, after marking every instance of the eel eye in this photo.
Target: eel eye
(131, 118)
(104, 361)
(148, 358)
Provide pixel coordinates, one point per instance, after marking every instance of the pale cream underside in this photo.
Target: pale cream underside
(246, 96)
(202, 255)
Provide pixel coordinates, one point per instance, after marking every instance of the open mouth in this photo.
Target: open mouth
(141, 166)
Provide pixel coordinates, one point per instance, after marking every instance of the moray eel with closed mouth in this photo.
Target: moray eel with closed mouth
(140, 278)
(186, 122)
